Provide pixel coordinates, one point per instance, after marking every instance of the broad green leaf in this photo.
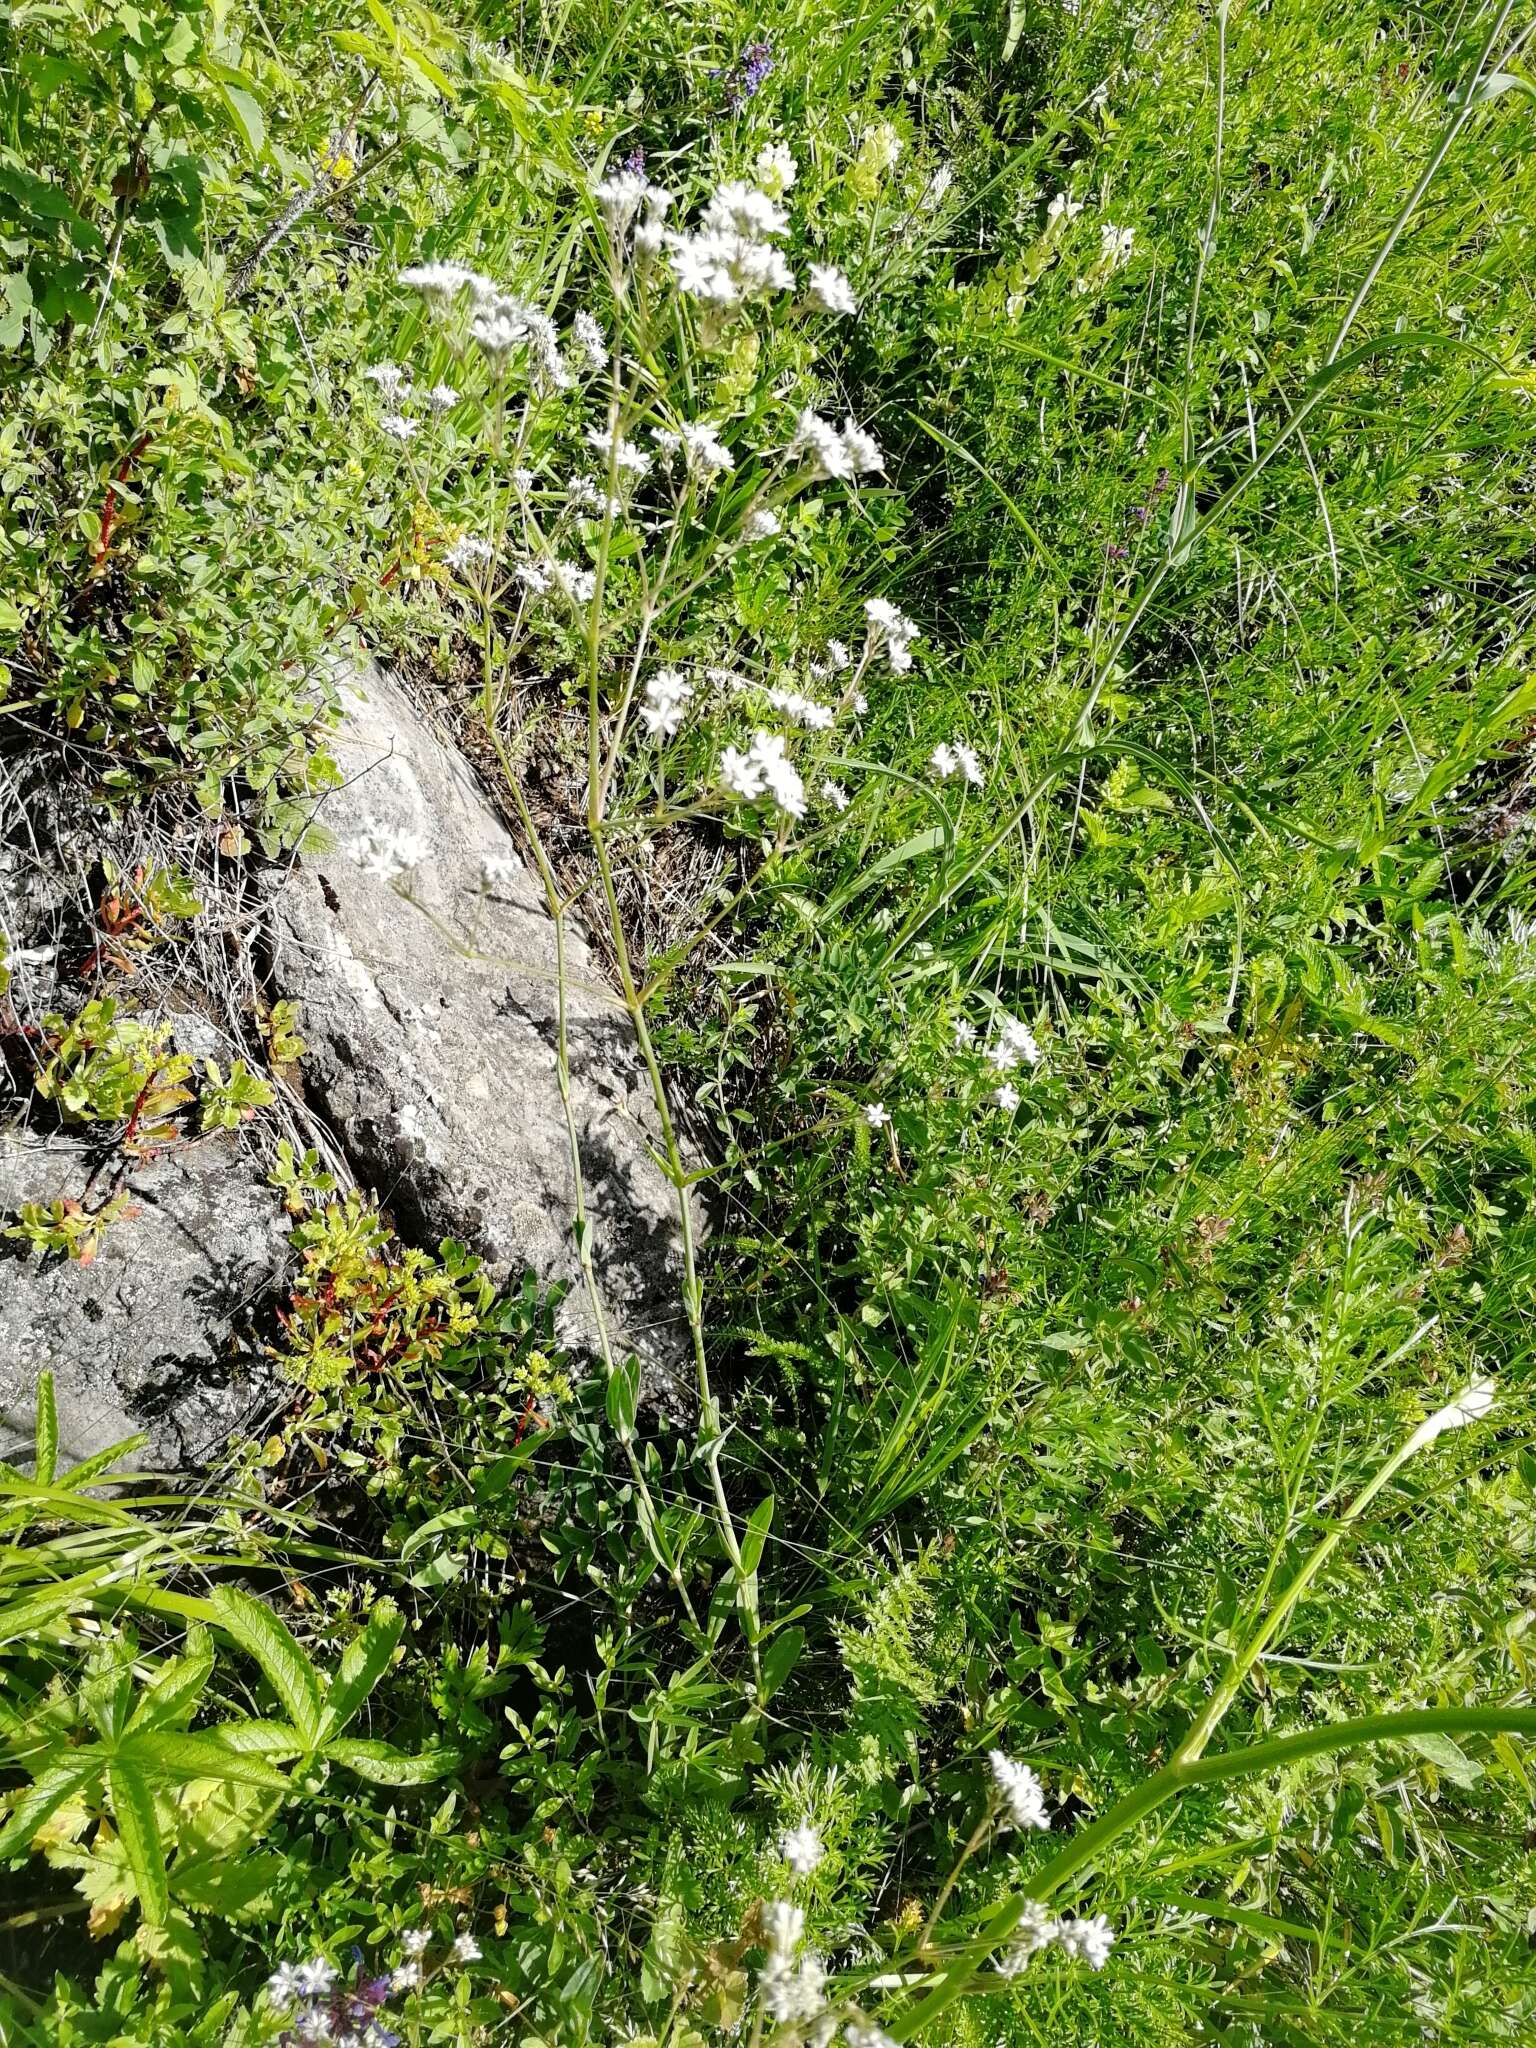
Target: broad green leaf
(780, 1658)
(382, 1764)
(247, 116)
(261, 1635)
(133, 1809)
(46, 1461)
(363, 1664)
(234, 1887)
(1448, 1757)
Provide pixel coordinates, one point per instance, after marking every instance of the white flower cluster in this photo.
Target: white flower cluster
(394, 383)
(732, 257)
(890, 633)
(667, 692)
(830, 292)
(954, 757)
(802, 710)
(468, 552)
(625, 456)
(844, 453)
(1090, 1941)
(1015, 1042)
(802, 1849)
(382, 850)
(1020, 1792)
(500, 323)
(704, 453)
(791, 1985)
(775, 169)
(763, 770)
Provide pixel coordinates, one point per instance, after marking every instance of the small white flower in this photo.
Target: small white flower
(763, 770)
(1023, 1796)
(442, 398)
(965, 1034)
(588, 336)
(444, 281)
(834, 793)
(405, 1977)
(398, 426)
(838, 655)
(775, 169)
(1007, 1097)
(830, 291)
(740, 775)
(381, 850)
(761, 524)
(1015, 1042)
(466, 1949)
(876, 1115)
(415, 1941)
(283, 1984)
(534, 576)
(314, 1979)
(956, 758)
(802, 1849)
(1064, 207)
(1036, 1930)
(522, 481)
(468, 552)
(666, 694)
(1091, 1939)
(390, 378)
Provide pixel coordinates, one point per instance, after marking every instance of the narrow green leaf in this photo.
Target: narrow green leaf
(261, 1635)
(46, 1463)
(133, 1808)
(363, 1664)
(755, 1535)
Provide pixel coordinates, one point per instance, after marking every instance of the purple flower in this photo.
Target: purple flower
(634, 163)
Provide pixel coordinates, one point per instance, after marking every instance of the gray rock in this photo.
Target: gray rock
(431, 1027)
(153, 1335)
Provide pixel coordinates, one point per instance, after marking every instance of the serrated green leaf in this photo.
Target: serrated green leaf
(45, 1796)
(133, 1809)
(363, 1664)
(382, 1764)
(46, 1461)
(261, 1635)
(180, 1757)
(247, 116)
(173, 1692)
